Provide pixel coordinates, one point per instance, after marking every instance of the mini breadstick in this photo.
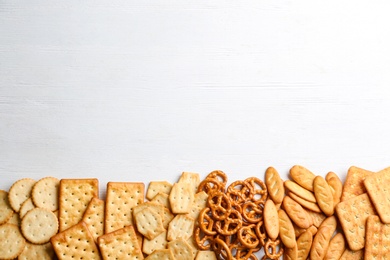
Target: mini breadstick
(286, 230)
(291, 253)
(318, 218)
(336, 247)
(304, 243)
(271, 221)
(320, 243)
(336, 186)
(19, 192)
(305, 203)
(300, 191)
(296, 213)
(323, 195)
(274, 185)
(303, 177)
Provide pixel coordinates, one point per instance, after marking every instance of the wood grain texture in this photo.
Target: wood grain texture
(140, 91)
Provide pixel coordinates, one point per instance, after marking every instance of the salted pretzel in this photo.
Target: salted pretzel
(219, 204)
(240, 191)
(230, 225)
(206, 222)
(210, 185)
(247, 236)
(252, 212)
(220, 176)
(272, 245)
(222, 250)
(202, 240)
(261, 233)
(260, 192)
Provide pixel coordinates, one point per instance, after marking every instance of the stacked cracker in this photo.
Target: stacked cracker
(28, 219)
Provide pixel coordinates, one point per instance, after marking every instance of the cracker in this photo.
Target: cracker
(167, 217)
(160, 254)
(158, 208)
(26, 207)
(45, 193)
(336, 186)
(353, 214)
(181, 249)
(6, 210)
(286, 230)
(377, 239)
(323, 195)
(121, 198)
(305, 203)
(15, 220)
(162, 198)
(320, 243)
(271, 219)
(149, 223)
(336, 247)
(180, 226)
(19, 192)
(377, 186)
(300, 191)
(302, 176)
(191, 241)
(274, 185)
(39, 225)
(191, 179)
(120, 244)
(206, 255)
(94, 217)
(156, 187)
(353, 185)
(331, 223)
(352, 255)
(12, 241)
(42, 252)
(296, 213)
(181, 198)
(199, 203)
(318, 218)
(304, 243)
(74, 197)
(159, 242)
(75, 242)
(291, 253)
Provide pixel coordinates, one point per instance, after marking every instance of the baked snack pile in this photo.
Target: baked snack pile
(307, 216)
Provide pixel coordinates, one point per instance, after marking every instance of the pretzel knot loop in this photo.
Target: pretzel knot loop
(219, 204)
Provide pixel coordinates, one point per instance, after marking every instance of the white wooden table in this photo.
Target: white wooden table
(143, 90)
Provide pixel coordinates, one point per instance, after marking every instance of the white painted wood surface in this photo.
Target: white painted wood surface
(143, 90)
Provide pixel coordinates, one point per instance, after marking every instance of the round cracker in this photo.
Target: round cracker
(6, 211)
(45, 193)
(26, 207)
(42, 252)
(11, 241)
(19, 192)
(39, 225)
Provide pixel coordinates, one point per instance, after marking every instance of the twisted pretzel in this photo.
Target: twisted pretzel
(240, 191)
(261, 233)
(206, 222)
(260, 193)
(247, 236)
(230, 225)
(210, 185)
(220, 176)
(222, 250)
(202, 240)
(273, 245)
(219, 204)
(252, 212)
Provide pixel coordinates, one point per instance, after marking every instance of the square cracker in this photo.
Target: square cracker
(120, 244)
(354, 185)
(121, 198)
(180, 226)
(180, 247)
(378, 188)
(94, 217)
(161, 254)
(159, 242)
(75, 195)
(191, 179)
(353, 214)
(206, 255)
(156, 187)
(149, 223)
(181, 198)
(377, 239)
(75, 242)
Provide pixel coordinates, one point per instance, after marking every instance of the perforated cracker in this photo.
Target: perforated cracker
(75, 195)
(156, 187)
(191, 179)
(181, 249)
(45, 193)
(39, 225)
(167, 217)
(41, 252)
(377, 239)
(158, 208)
(181, 198)
(19, 192)
(160, 254)
(353, 214)
(180, 226)
(94, 217)
(378, 188)
(149, 223)
(120, 244)
(162, 198)
(159, 242)
(199, 203)
(352, 255)
(121, 198)
(6, 211)
(353, 185)
(75, 243)
(26, 207)
(206, 255)
(12, 241)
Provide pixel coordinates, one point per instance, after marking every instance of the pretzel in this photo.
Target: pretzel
(210, 185)
(260, 193)
(247, 236)
(222, 250)
(252, 212)
(273, 244)
(206, 222)
(219, 204)
(202, 240)
(260, 232)
(240, 191)
(230, 225)
(220, 176)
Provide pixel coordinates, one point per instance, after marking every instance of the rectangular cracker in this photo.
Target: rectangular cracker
(354, 185)
(120, 244)
(353, 214)
(94, 217)
(181, 198)
(378, 188)
(77, 236)
(191, 179)
(352, 255)
(74, 197)
(121, 198)
(377, 239)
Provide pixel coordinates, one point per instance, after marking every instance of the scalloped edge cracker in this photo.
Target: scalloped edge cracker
(19, 192)
(6, 210)
(12, 241)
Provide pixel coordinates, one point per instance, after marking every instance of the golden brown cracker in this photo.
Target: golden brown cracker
(162, 198)
(156, 187)
(121, 198)
(377, 239)
(12, 241)
(180, 226)
(26, 207)
(120, 244)
(192, 180)
(305, 203)
(206, 255)
(159, 242)
(320, 243)
(181, 249)
(149, 223)
(94, 217)
(353, 185)
(274, 185)
(41, 252)
(181, 198)
(300, 191)
(286, 230)
(353, 214)
(302, 176)
(336, 247)
(352, 255)
(296, 213)
(160, 254)
(6, 210)
(75, 195)
(19, 192)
